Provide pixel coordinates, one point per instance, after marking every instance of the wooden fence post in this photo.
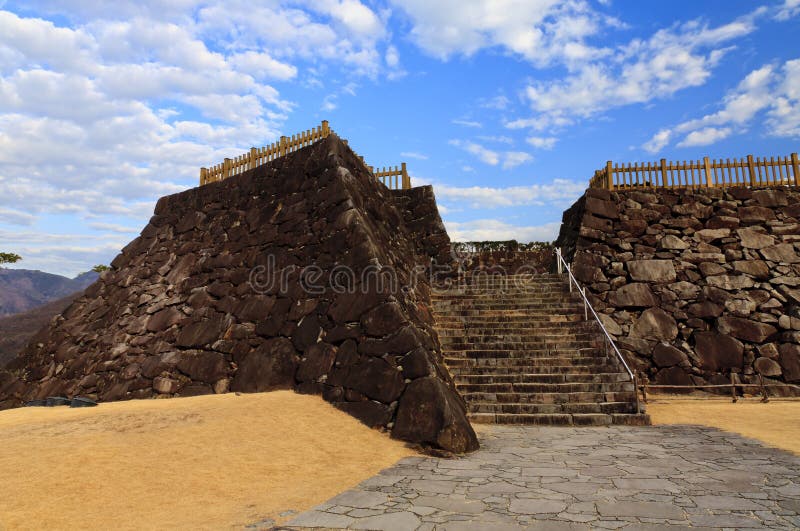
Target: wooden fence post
(282, 147)
(203, 176)
(326, 128)
(406, 179)
(708, 172)
(609, 176)
(664, 173)
(226, 168)
(796, 167)
(253, 157)
(752, 168)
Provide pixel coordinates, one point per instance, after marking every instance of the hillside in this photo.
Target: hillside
(17, 329)
(24, 289)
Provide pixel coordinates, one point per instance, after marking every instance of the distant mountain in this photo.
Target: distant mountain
(24, 289)
(17, 329)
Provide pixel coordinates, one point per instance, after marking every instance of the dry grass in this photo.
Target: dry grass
(210, 462)
(776, 423)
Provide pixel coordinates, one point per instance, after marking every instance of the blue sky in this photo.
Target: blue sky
(506, 106)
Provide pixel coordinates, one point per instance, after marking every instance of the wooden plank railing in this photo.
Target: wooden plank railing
(259, 156)
(706, 173)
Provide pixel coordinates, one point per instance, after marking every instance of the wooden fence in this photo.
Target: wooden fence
(704, 173)
(396, 178)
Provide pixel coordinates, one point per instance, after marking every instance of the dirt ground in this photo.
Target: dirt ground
(210, 462)
(776, 423)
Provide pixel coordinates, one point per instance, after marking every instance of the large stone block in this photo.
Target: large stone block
(429, 411)
(655, 323)
(599, 207)
(635, 295)
(718, 351)
(781, 253)
(790, 361)
(755, 238)
(746, 329)
(652, 270)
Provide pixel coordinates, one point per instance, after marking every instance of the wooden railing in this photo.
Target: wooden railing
(704, 173)
(396, 178)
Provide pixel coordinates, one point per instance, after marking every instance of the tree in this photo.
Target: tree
(9, 258)
(100, 268)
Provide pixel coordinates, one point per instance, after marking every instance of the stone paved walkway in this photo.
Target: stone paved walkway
(666, 477)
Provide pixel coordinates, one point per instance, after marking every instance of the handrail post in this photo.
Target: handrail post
(664, 173)
(707, 164)
(733, 387)
(203, 176)
(585, 304)
(326, 128)
(609, 176)
(406, 179)
(559, 267)
(282, 146)
(752, 169)
(796, 168)
(764, 393)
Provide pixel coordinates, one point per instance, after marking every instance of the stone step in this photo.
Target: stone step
(471, 370)
(522, 354)
(503, 321)
(550, 398)
(515, 310)
(568, 408)
(516, 331)
(584, 419)
(469, 335)
(521, 361)
(506, 293)
(526, 387)
(515, 350)
(598, 377)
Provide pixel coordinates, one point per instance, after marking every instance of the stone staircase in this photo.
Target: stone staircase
(521, 352)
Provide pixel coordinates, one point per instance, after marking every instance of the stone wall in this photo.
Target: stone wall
(216, 295)
(694, 284)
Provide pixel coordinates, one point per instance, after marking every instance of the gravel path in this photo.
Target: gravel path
(665, 477)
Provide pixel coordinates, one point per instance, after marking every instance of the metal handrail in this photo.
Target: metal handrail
(587, 306)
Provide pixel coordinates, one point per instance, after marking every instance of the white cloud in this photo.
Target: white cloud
(493, 230)
(559, 191)
(783, 119)
(392, 57)
(502, 139)
(541, 31)
(789, 9)
(16, 217)
(468, 123)
(263, 65)
(498, 103)
(329, 103)
(113, 227)
(512, 159)
(767, 91)
(705, 136)
(486, 155)
(542, 142)
(509, 159)
(413, 155)
(671, 60)
(658, 142)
